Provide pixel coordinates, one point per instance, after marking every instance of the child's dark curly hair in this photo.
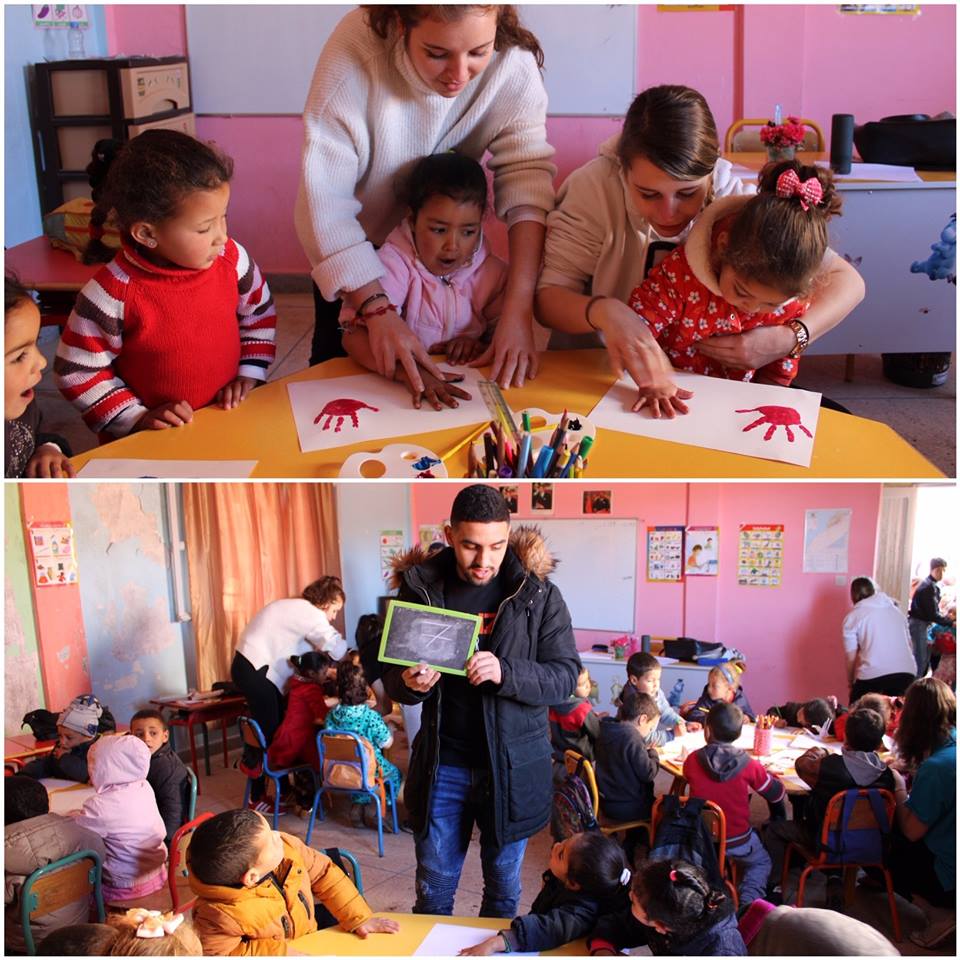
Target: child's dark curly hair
(14, 291)
(596, 864)
(351, 684)
(678, 895)
(153, 172)
(773, 240)
(451, 175)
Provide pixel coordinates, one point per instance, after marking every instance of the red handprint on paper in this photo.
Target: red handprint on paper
(785, 417)
(341, 409)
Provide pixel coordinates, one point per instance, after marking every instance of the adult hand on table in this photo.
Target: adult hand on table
(436, 392)
(393, 343)
(376, 925)
(420, 678)
(512, 351)
(631, 347)
(749, 350)
(176, 413)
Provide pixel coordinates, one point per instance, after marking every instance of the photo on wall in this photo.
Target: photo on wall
(443, 639)
(541, 498)
(511, 494)
(597, 501)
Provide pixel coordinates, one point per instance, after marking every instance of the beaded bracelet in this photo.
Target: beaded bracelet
(370, 299)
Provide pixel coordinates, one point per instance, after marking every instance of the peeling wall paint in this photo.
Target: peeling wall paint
(135, 646)
(23, 690)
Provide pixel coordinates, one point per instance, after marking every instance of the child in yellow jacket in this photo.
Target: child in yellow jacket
(256, 888)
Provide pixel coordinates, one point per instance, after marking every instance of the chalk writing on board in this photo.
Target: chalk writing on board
(443, 639)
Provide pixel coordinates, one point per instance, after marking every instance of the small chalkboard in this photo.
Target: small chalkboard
(443, 639)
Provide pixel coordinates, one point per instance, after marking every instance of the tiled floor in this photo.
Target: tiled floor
(925, 418)
(389, 881)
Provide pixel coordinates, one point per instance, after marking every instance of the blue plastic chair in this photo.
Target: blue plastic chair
(74, 881)
(252, 735)
(191, 810)
(350, 757)
(350, 865)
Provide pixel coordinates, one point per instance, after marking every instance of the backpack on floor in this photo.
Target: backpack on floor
(683, 835)
(572, 808)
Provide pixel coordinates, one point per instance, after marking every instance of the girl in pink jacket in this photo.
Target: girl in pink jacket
(439, 273)
(124, 813)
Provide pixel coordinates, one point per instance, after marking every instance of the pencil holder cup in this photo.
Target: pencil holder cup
(762, 741)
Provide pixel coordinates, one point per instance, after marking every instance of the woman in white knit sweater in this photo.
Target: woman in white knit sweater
(620, 213)
(395, 83)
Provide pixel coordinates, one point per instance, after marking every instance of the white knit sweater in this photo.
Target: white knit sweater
(369, 116)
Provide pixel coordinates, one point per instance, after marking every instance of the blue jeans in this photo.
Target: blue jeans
(754, 862)
(460, 798)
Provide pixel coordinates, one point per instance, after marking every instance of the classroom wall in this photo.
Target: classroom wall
(24, 43)
(23, 689)
(743, 61)
(789, 634)
(135, 646)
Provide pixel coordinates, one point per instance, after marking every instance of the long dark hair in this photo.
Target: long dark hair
(678, 895)
(929, 713)
(510, 32)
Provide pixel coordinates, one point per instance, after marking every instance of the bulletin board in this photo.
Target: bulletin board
(259, 58)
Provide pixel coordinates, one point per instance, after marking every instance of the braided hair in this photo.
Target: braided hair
(678, 895)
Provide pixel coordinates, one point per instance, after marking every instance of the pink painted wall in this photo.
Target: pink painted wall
(61, 640)
(809, 58)
(789, 634)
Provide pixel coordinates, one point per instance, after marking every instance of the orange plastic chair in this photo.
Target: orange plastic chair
(741, 135)
(862, 817)
(716, 821)
(572, 760)
(177, 868)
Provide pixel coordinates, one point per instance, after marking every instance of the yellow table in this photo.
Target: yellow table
(413, 928)
(262, 428)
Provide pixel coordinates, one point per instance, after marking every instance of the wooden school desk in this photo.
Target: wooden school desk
(66, 797)
(25, 746)
(262, 428)
(334, 942)
(56, 275)
(885, 227)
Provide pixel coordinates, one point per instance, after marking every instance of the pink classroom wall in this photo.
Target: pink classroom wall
(809, 58)
(789, 634)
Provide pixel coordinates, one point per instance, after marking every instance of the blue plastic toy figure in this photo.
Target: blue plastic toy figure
(942, 262)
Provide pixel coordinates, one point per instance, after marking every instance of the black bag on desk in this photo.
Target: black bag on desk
(43, 723)
(686, 648)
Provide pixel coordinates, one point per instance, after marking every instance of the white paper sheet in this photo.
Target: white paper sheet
(344, 410)
(885, 172)
(109, 469)
(448, 939)
(754, 419)
(67, 801)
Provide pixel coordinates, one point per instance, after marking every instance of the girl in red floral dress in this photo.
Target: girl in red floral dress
(748, 262)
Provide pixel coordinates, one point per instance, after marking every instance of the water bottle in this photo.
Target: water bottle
(675, 696)
(75, 50)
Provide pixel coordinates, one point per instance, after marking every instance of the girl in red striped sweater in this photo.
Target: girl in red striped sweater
(181, 317)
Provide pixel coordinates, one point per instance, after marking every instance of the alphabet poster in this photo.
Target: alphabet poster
(665, 554)
(760, 560)
(756, 419)
(54, 562)
(341, 411)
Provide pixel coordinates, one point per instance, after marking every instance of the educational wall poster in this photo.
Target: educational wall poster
(340, 411)
(414, 633)
(431, 533)
(541, 498)
(391, 543)
(701, 551)
(54, 560)
(756, 419)
(882, 9)
(597, 501)
(60, 14)
(826, 540)
(511, 494)
(665, 554)
(760, 557)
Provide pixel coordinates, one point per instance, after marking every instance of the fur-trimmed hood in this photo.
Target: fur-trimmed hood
(526, 542)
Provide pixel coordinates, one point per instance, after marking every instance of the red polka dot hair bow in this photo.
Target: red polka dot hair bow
(809, 191)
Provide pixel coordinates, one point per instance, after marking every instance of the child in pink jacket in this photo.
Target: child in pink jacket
(124, 813)
(439, 272)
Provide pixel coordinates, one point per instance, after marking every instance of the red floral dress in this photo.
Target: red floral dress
(681, 310)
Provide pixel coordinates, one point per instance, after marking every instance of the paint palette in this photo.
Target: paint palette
(406, 461)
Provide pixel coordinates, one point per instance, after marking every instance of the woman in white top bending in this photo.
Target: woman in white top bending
(621, 213)
(261, 666)
(393, 84)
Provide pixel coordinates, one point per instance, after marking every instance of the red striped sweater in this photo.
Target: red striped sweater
(142, 335)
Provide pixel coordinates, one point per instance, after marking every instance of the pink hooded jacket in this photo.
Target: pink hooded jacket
(124, 813)
(436, 309)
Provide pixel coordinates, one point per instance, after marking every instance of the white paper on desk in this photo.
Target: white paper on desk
(448, 939)
(56, 783)
(755, 419)
(885, 172)
(344, 410)
(67, 801)
(109, 469)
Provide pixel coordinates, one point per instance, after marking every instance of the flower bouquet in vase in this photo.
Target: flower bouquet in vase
(783, 139)
(620, 646)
